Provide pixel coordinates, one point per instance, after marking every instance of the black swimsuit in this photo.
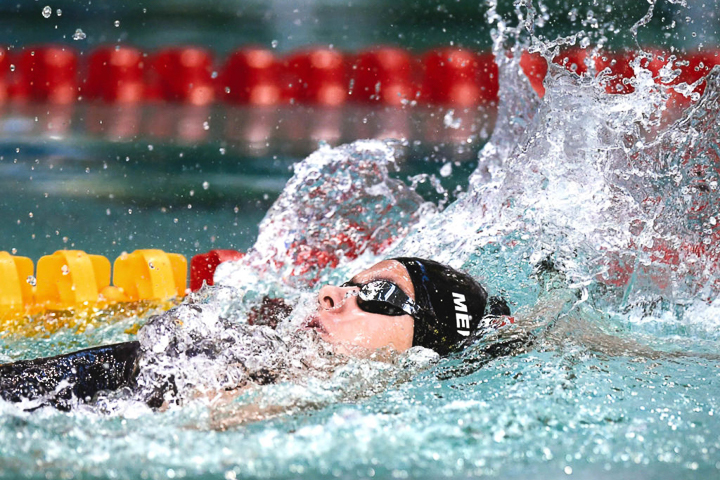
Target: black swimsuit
(56, 380)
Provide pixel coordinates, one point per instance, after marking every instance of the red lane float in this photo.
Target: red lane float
(459, 77)
(4, 75)
(46, 74)
(203, 266)
(183, 75)
(692, 68)
(535, 69)
(574, 59)
(115, 75)
(617, 67)
(382, 76)
(251, 77)
(316, 76)
(451, 77)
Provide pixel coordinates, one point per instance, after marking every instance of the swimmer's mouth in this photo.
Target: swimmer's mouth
(313, 323)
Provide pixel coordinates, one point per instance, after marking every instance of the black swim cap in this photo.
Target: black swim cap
(451, 304)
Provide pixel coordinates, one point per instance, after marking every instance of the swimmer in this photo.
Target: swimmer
(394, 305)
(401, 303)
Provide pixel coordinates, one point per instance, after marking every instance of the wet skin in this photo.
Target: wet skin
(340, 321)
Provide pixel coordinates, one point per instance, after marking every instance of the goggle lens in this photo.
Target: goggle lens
(384, 298)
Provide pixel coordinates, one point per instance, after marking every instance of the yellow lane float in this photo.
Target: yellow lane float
(16, 289)
(70, 287)
(69, 278)
(150, 275)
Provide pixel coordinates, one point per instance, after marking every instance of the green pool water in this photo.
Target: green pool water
(617, 382)
(94, 191)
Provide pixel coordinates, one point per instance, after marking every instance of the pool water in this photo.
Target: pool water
(105, 193)
(106, 199)
(597, 222)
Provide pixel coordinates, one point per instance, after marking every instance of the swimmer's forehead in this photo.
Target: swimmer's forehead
(390, 270)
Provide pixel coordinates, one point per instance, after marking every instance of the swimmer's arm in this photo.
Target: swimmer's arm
(236, 415)
(226, 412)
(564, 324)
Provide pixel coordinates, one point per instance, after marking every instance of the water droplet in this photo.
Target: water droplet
(152, 267)
(46, 12)
(206, 125)
(12, 67)
(274, 43)
(13, 251)
(30, 214)
(31, 280)
(79, 35)
(450, 121)
(117, 23)
(222, 151)
(446, 170)
(206, 185)
(58, 12)
(150, 148)
(65, 270)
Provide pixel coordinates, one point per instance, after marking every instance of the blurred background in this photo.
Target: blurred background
(85, 164)
(284, 25)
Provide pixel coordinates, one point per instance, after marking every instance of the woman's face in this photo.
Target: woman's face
(340, 321)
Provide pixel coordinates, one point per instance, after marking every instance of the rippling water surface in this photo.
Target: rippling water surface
(593, 216)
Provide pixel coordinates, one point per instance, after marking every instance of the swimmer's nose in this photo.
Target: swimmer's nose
(331, 297)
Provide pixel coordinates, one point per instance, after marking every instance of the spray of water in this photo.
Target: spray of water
(623, 204)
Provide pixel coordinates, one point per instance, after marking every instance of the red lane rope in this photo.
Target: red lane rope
(313, 76)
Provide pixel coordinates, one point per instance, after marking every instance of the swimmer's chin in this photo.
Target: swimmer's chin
(382, 354)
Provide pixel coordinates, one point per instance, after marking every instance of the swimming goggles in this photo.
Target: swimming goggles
(383, 297)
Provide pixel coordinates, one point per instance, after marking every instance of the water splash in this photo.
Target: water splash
(340, 204)
(623, 204)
